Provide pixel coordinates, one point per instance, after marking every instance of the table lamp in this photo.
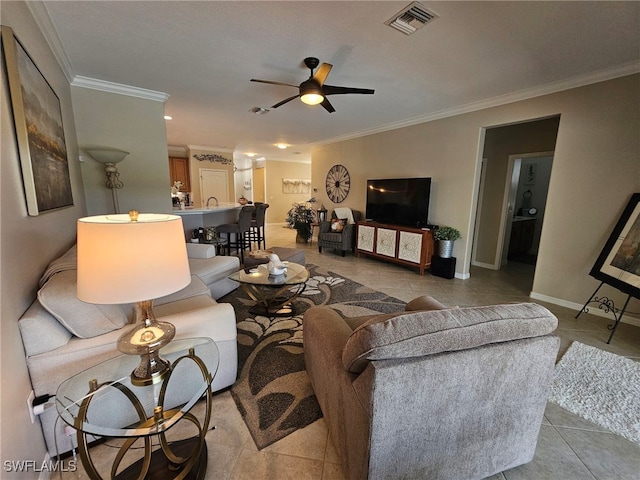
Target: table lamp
(133, 259)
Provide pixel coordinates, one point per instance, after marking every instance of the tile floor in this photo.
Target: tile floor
(569, 448)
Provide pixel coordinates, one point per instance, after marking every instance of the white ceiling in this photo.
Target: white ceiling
(203, 54)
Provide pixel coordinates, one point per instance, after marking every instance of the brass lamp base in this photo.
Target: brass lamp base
(146, 339)
(152, 369)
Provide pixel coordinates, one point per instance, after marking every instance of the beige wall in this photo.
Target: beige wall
(280, 203)
(27, 245)
(595, 171)
(134, 125)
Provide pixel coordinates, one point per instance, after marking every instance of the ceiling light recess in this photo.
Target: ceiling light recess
(411, 18)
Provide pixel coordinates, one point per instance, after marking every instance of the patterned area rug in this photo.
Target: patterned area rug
(273, 392)
(600, 386)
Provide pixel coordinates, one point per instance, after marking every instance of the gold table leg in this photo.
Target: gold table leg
(182, 465)
(275, 304)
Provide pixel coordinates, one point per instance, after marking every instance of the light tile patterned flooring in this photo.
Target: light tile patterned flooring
(569, 448)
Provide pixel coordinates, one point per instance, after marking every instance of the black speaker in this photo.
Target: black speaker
(443, 267)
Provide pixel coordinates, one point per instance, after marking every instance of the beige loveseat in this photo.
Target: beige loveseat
(432, 393)
(63, 336)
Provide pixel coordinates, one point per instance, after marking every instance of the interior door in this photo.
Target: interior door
(513, 177)
(258, 185)
(214, 183)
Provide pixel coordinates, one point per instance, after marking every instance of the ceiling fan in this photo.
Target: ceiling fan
(314, 91)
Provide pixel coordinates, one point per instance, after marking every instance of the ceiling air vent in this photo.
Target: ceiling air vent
(411, 18)
(259, 110)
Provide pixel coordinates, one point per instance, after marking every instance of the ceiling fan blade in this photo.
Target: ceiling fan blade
(322, 73)
(327, 105)
(285, 101)
(333, 90)
(274, 83)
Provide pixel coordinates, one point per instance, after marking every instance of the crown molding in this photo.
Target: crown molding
(547, 89)
(210, 148)
(42, 18)
(119, 88)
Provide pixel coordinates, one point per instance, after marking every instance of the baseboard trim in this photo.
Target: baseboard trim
(490, 266)
(578, 306)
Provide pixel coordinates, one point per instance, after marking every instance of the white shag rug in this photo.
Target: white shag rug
(601, 387)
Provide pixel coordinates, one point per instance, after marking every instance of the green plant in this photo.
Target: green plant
(300, 217)
(447, 233)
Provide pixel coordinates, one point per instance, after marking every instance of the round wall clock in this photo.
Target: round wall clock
(338, 183)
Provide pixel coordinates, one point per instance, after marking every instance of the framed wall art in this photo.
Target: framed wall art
(37, 118)
(619, 262)
(296, 185)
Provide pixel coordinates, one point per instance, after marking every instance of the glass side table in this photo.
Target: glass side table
(102, 402)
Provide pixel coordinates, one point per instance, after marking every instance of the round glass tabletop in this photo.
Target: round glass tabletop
(102, 400)
(294, 275)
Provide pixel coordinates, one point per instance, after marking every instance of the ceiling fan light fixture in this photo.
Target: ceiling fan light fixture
(311, 93)
(311, 98)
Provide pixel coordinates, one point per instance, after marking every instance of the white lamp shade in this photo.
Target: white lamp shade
(122, 261)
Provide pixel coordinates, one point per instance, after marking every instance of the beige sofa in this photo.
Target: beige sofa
(63, 336)
(432, 393)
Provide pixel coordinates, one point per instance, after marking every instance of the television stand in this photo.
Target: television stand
(408, 246)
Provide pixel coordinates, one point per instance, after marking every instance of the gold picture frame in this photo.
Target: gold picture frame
(37, 117)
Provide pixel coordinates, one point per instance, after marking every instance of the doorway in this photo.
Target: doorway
(214, 183)
(528, 175)
(505, 156)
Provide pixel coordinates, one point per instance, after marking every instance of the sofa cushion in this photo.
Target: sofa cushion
(195, 288)
(210, 270)
(84, 320)
(200, 250)
(416, 334)
(40, 331)
(332, 237)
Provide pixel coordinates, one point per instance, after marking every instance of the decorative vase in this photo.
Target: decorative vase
(445, 248)
(301, 238)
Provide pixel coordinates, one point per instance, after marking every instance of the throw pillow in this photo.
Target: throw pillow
(337, 224)
(85, 320)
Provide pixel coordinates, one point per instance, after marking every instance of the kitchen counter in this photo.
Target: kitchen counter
(223, 207)
(193, 218)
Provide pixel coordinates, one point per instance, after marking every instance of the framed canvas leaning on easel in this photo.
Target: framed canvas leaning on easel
(618, 264)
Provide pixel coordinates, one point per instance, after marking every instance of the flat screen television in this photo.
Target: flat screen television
(399, 201)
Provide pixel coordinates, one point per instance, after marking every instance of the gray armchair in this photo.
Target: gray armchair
(343, 241)
(433, 392)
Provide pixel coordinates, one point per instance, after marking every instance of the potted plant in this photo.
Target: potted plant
(300, 217)
(446, 236)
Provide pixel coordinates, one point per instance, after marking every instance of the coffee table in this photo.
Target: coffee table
(272, 294)
(102, 402)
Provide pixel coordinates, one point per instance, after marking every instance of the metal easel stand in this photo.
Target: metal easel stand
(607, 305)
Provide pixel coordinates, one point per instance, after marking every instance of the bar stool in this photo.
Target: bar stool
(241, 230)
(257, 226)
